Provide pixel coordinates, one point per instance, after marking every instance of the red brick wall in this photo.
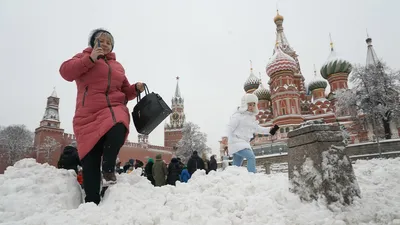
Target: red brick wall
(4, 158)
(171, 138)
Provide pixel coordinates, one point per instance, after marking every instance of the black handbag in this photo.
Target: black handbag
(149, 112)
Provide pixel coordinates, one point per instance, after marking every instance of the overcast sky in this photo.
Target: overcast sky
(208, 43)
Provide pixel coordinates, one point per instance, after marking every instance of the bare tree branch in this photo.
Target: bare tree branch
(17, 141)
(375, 96)
(193, 140)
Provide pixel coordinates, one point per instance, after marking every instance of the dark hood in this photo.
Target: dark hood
(69, 150)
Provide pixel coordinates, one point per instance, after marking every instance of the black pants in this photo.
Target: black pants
(108, 146)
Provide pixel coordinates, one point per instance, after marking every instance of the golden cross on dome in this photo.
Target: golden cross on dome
(330, 37)
(177, 78)
(251, 65)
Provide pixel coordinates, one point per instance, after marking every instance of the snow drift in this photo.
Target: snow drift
(34, 194)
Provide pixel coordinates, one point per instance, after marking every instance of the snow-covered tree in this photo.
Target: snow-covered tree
(375, 96)
(17, 141)
(192, 140)
(49, 146)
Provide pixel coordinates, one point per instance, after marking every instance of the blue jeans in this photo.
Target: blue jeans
(249, 155)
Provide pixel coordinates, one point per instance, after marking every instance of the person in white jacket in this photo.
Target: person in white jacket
(242, 126)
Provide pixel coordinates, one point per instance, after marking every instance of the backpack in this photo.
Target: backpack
(69, 159)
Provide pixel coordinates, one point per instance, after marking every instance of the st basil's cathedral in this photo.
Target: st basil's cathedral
(289, 101)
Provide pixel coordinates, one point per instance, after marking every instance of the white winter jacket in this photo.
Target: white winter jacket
(242, 126)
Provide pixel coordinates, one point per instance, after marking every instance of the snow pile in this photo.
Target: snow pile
(28, 188)
(232, 197)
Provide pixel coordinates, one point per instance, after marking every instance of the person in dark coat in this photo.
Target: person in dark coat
(181, 164)
(69, 158)
(206, 162)
(138, 164)
(159, 171)
(148, 171)
(174, 171)
(126, 167)
(213, 163)
(195, 163)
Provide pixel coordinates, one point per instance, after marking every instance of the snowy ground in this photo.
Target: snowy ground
(31, 193)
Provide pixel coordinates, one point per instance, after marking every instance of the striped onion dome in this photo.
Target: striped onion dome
(280, 61)
(252, 82)
(335, 64)
(262, 93)
(317, 82)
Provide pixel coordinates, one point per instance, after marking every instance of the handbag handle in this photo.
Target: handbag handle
(146, 91)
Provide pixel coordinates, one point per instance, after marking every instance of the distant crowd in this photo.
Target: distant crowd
(157, 171)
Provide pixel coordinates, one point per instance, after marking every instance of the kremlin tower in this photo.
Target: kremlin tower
(173, 129)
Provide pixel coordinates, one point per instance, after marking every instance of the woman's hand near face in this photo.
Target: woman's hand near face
(96, 52)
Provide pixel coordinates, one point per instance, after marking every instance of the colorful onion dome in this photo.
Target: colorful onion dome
(252, 82)
(317, 82)
(262, 93)
(280, 61)
(335, 64)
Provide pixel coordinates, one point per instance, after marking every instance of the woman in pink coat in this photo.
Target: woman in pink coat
(101, 121)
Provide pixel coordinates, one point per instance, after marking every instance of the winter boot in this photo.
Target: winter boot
(109, 178)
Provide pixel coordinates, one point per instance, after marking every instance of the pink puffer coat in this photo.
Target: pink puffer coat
(103, 91)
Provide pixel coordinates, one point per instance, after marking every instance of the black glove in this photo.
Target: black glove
(254, 136)
(274, 130)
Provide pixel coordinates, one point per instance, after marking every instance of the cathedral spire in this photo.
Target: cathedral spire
(372, 58)
(331, 43)
(281, 39)
(177, 90)
(54, 93)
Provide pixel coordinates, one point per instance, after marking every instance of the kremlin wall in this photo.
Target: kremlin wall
(50, 135)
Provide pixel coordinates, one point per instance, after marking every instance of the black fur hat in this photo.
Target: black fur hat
(95, 33)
